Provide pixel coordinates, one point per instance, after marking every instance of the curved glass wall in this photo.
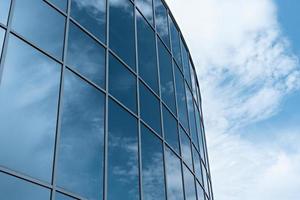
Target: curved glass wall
(99, 100)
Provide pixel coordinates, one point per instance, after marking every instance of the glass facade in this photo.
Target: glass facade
(99, 100)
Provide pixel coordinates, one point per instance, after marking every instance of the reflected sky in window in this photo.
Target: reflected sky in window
(146, 7)
(176, 50)
(200, 192)
(59, 196)
(161, 20)
(186, 152)
(170, 129)
(197, 164)
(4, 10)
(189, 183)
(2, 34)
(61, 4)
(191, 113)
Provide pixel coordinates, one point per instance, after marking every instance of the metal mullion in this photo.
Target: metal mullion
(3, 26)
(70, 194)
(122, 105)
(55, 7)
(150, 128)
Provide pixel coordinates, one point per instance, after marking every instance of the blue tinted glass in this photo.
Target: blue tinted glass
(175, 43)
(200, 192)
(4, 10)
(123, 182)
(170, 129)
(80, 158)
(166, 77)
(193, 77)
(61, 4)
(186, 64)
(86, 55)
(146, 7)
(174, 176)
(181, 98)
(161, 20)
(189, 182)
(91, 15)
(152, 162)
(121, 30)
(150, 109)
(191, 113)
(200, 134)
(59, 196)
(122, 83)
(41, 24)
(205, 179)
(186, 148)
(197, 164)
(28, 102)
(2, 34)
(147, 53)
(12, 188)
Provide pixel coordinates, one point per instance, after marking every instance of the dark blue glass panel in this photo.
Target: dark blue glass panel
(170, 129)
(12, 188)
(191, 113)
(2, 34)
(152, 162)
(61, 4)
(174, 176)
(181, 98)
(194, 85)
(91, 15)
(200, 134)
(185, 145)
(86, 55)
(59, 196)
(28, 102)
(41, 24)
(200, 192)
(186, 64)
(150, 109)
(4, 10)
(189, 182)
(122, 83)
(147, 53)
(121, 30)
(123, 181)
(161, 20)
(146, 7)
(80, 158)
(175, 43)
(166, 77)
(197, 164)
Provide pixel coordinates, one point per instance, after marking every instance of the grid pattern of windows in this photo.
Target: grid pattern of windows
(99, 100)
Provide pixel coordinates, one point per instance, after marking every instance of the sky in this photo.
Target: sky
(246, 53)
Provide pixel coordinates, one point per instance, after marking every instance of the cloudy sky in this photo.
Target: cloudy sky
(247, 57)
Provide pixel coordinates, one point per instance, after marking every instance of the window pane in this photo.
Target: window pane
(200, 192)
(122, 83)
(82, 134)
(161, 20)
(86, 55)
(174, 176)
(150, 109)
(181, 98)
(170, 129)
(2, 34)
(12, 188)
(123, 182)
(91, 15)
(186, 64)
(59, 196)
(61, 4)
(121, 30)
(28, 102)
(191, 112)
(175, 43)
(4, 10)
(197, 164)
(186, 148)
(152, 162)
(200, 134)
(41, 24)
(189, 182)
(166, 77)
(146, 7)
(204, 179)
(147, 53)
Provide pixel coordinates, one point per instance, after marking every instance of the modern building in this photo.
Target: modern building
(99, 100)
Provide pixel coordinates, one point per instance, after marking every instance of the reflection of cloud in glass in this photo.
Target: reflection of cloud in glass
(146, 8)
(161, 20)
(189, 182)
(93, 7)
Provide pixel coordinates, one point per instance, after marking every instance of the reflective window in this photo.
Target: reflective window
(197, 164)
(28, 102)
(123, 182)
(91, 15)
(186, 148)
(191, 113)
(146, 7)
(82, 134)
(61, 4)
(200, 192)
(205, 179)
(4, 10)
(170, 129)
(29, 20)
(86, 55)
(174, 176)
(186, 64)
(181, 98)
(150, 109)
(194, 85)
(161, 20)
(175, 43)
(166, 77)
(2, 34)
(12, 188)
(121, 30)
(198, 128)
(147, 53)
(59, 196)
(200, 136)
(152, 163)
(189, 183)
(122, 83)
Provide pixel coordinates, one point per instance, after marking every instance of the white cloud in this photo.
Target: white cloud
(246, 68)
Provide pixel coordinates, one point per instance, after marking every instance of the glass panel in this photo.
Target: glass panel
(59, 196)
(166, 77)
(186, 64)
(152, 162)
(204, 179)
(200, 134)
(146, 7)
(147, 53)
(91, 15)
(28, 98)
(200, 192)
(86, 55)
(82, 134)
(121, 30)
(123, 181)
(193, 74)
(122, 83)
(4, 10)
(175, 43)
(198, 128)
(61, 4)
(41, 24)
(12, 188)
(181, 98)
(161, 20)
(186, 148)
(191, 112)
(174, 176)
(197, 164)
(2, 34)
(150, 109)
(170, 129)
(189, 182)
